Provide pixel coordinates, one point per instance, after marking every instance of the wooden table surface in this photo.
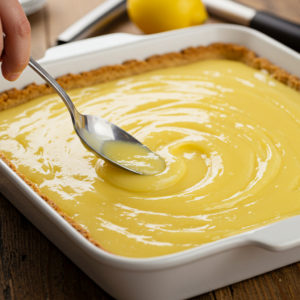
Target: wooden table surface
(31, 267)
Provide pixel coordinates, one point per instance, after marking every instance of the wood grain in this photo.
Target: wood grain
(31, 267)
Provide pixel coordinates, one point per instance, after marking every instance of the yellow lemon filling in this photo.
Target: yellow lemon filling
(133, 156)
(229, 136)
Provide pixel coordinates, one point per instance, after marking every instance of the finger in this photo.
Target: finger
(17, 41)
(1, 41)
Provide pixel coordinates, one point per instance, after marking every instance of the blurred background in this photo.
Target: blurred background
(57, 15)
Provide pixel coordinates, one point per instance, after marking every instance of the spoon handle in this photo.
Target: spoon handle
(53, 83)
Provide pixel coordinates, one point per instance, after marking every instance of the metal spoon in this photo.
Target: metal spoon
(93, 131)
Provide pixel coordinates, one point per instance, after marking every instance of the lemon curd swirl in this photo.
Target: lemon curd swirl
(133, 156)
(229, 135)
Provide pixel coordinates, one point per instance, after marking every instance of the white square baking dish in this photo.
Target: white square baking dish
(180, 275)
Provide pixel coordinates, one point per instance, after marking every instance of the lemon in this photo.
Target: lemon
(153, 16)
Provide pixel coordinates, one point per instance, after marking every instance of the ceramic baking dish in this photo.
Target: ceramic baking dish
(180, 275)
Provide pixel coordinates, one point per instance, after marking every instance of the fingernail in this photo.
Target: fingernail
(14, 76)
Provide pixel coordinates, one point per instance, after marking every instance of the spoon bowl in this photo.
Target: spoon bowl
(93, 131)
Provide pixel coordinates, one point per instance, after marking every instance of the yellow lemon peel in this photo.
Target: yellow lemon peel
(153, 16)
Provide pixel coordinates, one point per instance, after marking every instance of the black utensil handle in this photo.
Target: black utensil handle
(281, 30)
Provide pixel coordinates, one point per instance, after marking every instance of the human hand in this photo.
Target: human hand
(14, 23)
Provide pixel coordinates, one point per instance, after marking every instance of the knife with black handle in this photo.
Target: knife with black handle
(281, 30)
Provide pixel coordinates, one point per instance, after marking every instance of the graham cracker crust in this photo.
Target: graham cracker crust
(14, 97)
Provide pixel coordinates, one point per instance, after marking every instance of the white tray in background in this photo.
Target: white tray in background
(180, 275)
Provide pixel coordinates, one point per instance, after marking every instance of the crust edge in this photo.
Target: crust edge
(33, 186)
(14, 97)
